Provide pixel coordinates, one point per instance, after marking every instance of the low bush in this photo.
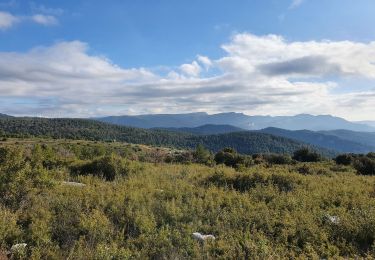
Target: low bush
(230, 157)
(365, 165)
(109, 167)
(278, 159)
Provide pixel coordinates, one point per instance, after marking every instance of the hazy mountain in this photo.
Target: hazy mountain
(206, 129)
(369, 123)
(298, 122)
(342, 141)
(4, 115)
(179, 120)
(309, 122)
(364, 138)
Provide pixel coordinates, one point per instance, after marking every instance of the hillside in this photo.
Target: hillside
(297, 122)
(365, 138)
(206, 129)
(339, 140)
(342, 141)
(244, 142)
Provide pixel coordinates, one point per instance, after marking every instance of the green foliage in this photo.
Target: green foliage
(365, 165)
(344, 159)
(135, 206)
(109, 167)
(202, 155)
(231, 158)
(277, 158)
(306, 155)
(9, 230)
(19, 176)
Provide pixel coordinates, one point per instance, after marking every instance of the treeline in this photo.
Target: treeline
(243, 142)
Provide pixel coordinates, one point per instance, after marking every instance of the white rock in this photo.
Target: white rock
(18, 247)
(202, 238)
(75, 184)
(332, 219)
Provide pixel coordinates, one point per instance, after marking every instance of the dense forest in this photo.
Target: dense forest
(243, 142)
(67, 199)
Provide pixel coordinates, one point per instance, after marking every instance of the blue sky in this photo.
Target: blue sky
(184, 56)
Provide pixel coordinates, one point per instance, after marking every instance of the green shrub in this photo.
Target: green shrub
(246, 181)
(306, 155)
(202, 155)
(365, 165)
(344, 159)
(9, 231)
(109, 167)
(278, 158)
(231, 158)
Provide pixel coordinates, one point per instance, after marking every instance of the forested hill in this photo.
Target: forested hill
(208, 129)
(343, 141)
(243, 142)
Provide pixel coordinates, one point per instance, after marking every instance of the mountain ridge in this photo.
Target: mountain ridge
(207, 129)
(343, 141)
(240, 120)
(323, 139)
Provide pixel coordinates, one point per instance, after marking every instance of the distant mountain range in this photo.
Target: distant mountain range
(164, 130)
(298, 122)
(245, 142)
(4, 115)
(343, 141)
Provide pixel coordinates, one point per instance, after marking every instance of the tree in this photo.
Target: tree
(231, 158)
(201, 154)
(305, 155)
(344, 159)
(365, 165)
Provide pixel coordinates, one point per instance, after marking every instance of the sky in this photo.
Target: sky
(87, 58)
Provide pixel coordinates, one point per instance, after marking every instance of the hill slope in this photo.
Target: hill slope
(243, 142)
(365, 138)
(298, 122)
(342, 141)
(324, 139)
(206, 129)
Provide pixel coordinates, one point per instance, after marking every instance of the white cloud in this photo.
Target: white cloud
(7, 20)
(251, 52)
(296, 3)
(205, 61)
(257, 75)
(39, 8)
(46, 20)
(191, 69)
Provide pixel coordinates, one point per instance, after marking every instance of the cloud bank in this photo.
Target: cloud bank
(257, 75)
